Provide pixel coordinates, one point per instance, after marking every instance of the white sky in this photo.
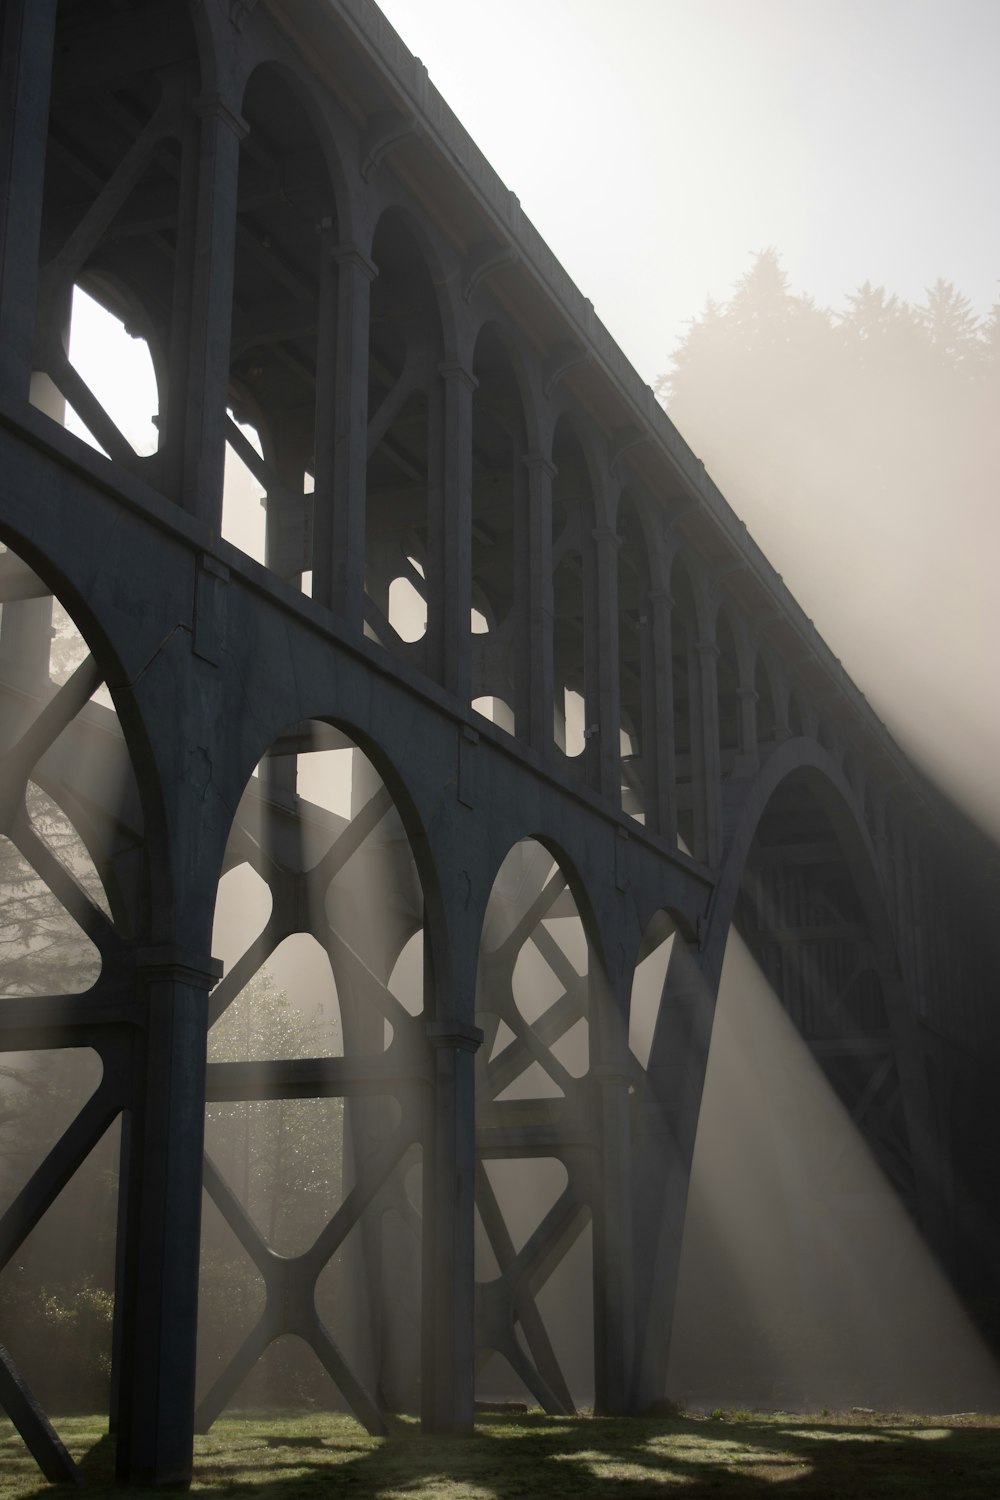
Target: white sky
(657, 144)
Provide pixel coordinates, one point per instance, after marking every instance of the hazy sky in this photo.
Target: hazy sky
(656, 144)
(659, 144)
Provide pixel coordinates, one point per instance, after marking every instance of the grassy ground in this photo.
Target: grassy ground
(839, 1456)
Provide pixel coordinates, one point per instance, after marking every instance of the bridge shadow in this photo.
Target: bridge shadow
(588, 1458)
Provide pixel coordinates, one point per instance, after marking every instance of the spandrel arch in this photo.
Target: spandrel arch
(103, 188)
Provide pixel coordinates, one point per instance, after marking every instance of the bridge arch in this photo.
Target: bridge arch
(806, 758)
(324, 121)
(52, 629)
(830, 902)
(319, 824)
(88, 233)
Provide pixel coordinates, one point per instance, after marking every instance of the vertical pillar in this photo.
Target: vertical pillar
(749, 761)
(451, 540)
(287, 525)
(207, 364)
(28, 29)
(342, 464)
(535, 676)
(326, 414)
(162, 1207)
(662, 813)
(780, 693)
(614, 1299)
(709, 768)
(602, 634)
(665, 1143)
(449, 1343)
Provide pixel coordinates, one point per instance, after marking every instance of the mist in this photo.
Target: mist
(860, 445)
(803, 1282)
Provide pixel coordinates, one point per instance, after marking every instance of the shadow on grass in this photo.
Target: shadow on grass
(581, 1458)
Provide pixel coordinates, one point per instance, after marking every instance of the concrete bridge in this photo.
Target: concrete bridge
(571, 691)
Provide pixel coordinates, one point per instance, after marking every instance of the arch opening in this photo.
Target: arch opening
(321, 914)
(805, 1279)
(57, 1292)
(535, 1002)
(113, 255)
(286, 221)
(72, 872)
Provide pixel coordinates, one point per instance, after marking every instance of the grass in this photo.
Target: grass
(836, 1456)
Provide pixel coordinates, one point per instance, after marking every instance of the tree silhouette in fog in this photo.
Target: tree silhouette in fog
(862, 447)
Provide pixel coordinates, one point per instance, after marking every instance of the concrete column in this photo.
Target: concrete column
(602, 639)
(341, 474)
(162, 1224)
(708, 771)
(749, 760)
(535, 705)
(323, 499)
(782, 729)
(451, 539)
(449, 1344)
(28, 28)
(665, 1139)
(207, 386)
(661, 811)
(614, 1299)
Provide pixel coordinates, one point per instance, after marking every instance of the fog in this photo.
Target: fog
(803, 1282)
(860, 444)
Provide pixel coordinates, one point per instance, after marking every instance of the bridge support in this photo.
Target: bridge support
(161, 1203)
(448, 1249)
(664, 1152)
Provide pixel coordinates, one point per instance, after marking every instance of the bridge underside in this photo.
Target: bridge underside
(488, 711)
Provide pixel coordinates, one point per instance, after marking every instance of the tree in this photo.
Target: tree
(862, 448)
